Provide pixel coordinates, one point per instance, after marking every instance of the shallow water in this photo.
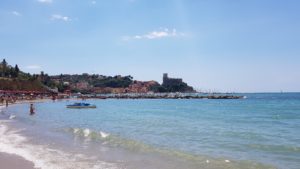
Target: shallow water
(261, 131)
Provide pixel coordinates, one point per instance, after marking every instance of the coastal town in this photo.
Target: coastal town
(18, 85)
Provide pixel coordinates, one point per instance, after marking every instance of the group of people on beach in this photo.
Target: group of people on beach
(11, 99)
(7, 99)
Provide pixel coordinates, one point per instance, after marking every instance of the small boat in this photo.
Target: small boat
(81, 106)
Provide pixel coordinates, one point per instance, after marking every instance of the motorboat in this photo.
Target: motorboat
(81, 106)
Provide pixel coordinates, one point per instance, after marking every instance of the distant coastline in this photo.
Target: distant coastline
(14, 79)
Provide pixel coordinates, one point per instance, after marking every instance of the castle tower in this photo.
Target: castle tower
(165, 78)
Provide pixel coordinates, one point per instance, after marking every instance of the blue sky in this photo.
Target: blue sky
(219, 45)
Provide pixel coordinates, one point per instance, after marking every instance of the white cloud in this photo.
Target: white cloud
(45, 1)
(60, 17)
(16, 13)
(163, 33)
(33, 67)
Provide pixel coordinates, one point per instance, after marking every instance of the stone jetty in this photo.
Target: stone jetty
(166, 96)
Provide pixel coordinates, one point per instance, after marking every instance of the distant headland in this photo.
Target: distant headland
(16, 82)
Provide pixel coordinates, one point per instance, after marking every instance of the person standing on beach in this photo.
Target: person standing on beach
(2, 100)
(31, 109)
(6, 101)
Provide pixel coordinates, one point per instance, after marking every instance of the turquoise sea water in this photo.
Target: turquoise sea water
(261, 131)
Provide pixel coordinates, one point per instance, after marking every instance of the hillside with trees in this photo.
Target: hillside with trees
(12, 78)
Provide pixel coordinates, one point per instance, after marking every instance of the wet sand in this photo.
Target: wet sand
(9, 161)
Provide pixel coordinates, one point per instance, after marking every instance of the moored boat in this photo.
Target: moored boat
(81, 106)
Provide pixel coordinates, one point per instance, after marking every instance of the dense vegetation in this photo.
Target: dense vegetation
(180, 87)
(8, 71)
(113, 82)
(17, 84)
(11, 78)
(93, 80)
(96, 80)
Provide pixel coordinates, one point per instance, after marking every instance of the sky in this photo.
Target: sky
(214, 45)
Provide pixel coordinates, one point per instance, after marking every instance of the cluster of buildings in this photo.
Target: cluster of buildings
(134, 87)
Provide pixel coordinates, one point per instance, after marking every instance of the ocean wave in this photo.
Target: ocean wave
(203, 161)
(1, 109)
(88, 133)
(276, 148)
(44, 157)
(12, 117)
(112, 140)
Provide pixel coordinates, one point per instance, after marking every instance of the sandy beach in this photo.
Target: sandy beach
(9, 161)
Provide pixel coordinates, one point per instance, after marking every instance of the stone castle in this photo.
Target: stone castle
(170, 81)
(175, 85)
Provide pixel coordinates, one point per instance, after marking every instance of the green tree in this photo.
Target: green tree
(42, 75)
(17, 70)
(4, 72)
(4, 63)
(11, 72)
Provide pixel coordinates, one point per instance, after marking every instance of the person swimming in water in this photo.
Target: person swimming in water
(31, 109)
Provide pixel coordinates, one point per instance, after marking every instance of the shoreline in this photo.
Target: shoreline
(126, 96)
(35, 101)
(12, 161)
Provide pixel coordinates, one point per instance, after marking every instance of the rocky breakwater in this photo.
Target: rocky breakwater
(168, 96)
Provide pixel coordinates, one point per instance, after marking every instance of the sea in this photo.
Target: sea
(261, 131)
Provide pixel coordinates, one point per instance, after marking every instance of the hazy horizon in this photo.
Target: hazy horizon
(223, 46)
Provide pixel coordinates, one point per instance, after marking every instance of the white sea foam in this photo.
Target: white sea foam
(1, 109)
(76, 130)
(12, 117)
(44, 157)
(103, 134)
(86, 132)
